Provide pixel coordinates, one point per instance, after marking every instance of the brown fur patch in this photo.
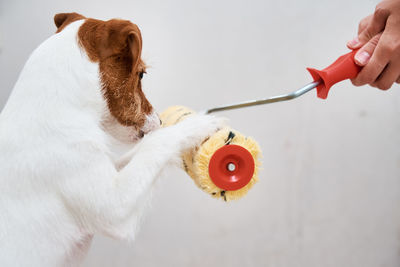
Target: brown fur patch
(117, 46)
(63, 19)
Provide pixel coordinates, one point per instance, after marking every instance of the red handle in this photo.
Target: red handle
(343, 68)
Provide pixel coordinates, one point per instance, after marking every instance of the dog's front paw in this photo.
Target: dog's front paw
(197, 128)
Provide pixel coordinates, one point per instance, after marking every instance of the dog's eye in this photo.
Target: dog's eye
(141, 74)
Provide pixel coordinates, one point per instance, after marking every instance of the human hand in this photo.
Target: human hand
(378, 41)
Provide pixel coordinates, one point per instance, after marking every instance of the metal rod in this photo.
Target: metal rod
(273, 99)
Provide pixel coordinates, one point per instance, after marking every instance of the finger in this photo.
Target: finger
(364, 23)
(370, 72)
(361, 26)
(387, 78)
(364, 54)
(376, 25)
(398, 80)
(389, 48)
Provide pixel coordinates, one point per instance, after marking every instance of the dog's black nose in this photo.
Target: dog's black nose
(141, 134)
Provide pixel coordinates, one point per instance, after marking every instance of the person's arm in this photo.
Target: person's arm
(379, 42)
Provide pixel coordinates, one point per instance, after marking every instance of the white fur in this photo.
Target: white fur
(61, 180)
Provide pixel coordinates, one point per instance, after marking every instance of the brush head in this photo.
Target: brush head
(225, 165)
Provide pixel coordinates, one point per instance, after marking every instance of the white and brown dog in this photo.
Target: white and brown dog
(78, 100)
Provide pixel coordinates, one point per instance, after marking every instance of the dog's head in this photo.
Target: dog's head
(116, 46)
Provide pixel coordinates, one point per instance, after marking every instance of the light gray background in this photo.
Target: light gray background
(329, 191)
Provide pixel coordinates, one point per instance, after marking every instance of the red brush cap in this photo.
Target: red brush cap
(242, 167)
(343, 68)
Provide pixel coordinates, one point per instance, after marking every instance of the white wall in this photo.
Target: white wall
(329, 192)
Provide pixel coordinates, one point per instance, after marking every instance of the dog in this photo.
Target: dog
(80, 145)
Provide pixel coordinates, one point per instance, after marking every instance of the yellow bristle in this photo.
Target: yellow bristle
(196, 162)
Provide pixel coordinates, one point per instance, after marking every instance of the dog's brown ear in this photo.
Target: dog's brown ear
(135, 44)
(63, 19)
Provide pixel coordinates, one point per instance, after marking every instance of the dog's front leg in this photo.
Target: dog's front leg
(123, 198)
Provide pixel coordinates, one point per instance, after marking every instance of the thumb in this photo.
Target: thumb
(364, 53)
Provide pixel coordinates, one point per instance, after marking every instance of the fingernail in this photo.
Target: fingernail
(353, 43)
(362, 57)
